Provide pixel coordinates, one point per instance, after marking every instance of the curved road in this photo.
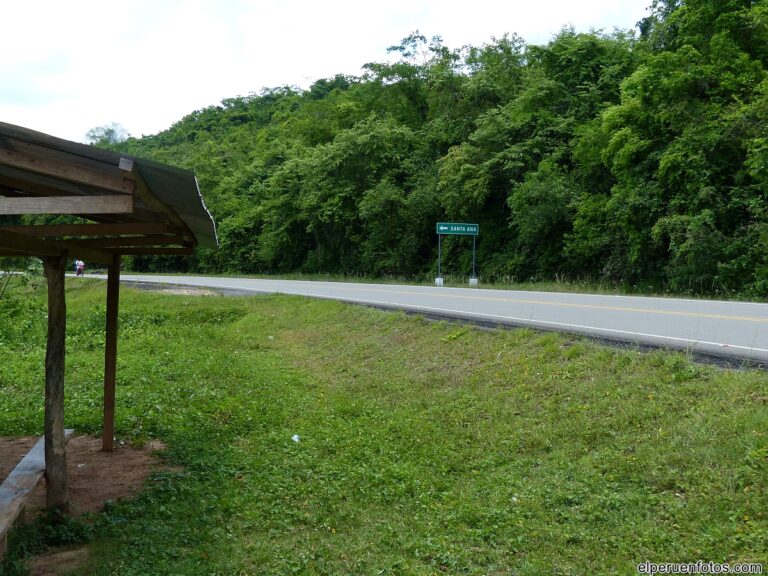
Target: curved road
(736, 330)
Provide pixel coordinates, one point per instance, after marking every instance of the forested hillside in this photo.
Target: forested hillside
(632, 157)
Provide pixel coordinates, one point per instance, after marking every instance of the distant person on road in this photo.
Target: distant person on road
(79, 267)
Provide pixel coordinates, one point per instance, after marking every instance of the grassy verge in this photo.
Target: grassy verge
(423, 447)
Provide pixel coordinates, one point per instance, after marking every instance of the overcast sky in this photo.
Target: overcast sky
(67, 67)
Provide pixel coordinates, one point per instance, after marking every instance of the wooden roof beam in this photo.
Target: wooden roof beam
(111, 229)
(16, 181)
(131, 241)
(116, 204)
(139, 214)
(105, 176)
(27, 245)
(31, 246)
(152, 251)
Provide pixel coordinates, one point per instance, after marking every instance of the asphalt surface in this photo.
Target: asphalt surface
(731, 330)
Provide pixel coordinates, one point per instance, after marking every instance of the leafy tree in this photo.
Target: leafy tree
(681, 138)
(641, 160)
(106, 136)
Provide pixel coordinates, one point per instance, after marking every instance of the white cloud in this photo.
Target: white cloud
(70, 66)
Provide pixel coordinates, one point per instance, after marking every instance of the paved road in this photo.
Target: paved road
(726, 329)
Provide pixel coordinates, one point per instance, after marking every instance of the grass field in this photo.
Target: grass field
(423, 447)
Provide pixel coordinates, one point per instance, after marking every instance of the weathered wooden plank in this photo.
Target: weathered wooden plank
(43, 162)
(32, 246)
(26, 184)
(57, 482)
(115, 204)
(15, 243)
(19, 483)
(151, 250)
(53, 230)
(131, 241)
(110, 355)
(28, 245)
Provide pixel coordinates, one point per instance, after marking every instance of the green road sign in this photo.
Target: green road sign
(458, 228)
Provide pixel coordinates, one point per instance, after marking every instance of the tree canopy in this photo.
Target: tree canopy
(634, 158)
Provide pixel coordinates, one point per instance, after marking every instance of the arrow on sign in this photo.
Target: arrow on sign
(443, 227)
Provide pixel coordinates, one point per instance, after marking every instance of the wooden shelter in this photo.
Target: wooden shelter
(121, 205)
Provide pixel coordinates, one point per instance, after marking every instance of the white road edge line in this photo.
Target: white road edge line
(538, 322)
(525, 321)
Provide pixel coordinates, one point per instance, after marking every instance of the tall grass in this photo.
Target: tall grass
(315, 437)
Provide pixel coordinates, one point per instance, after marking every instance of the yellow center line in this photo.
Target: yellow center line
(570, 305)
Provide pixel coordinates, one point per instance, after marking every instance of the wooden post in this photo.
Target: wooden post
(56, 480)
(110, 354)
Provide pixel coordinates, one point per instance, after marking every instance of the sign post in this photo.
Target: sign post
(439, 279)
(456, 229)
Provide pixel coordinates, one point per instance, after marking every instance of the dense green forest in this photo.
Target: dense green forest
(635, 157)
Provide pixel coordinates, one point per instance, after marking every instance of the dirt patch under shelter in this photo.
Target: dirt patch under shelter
(95, 477)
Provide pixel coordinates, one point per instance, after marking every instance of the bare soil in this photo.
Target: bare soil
(174, 289)
(95, 477)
